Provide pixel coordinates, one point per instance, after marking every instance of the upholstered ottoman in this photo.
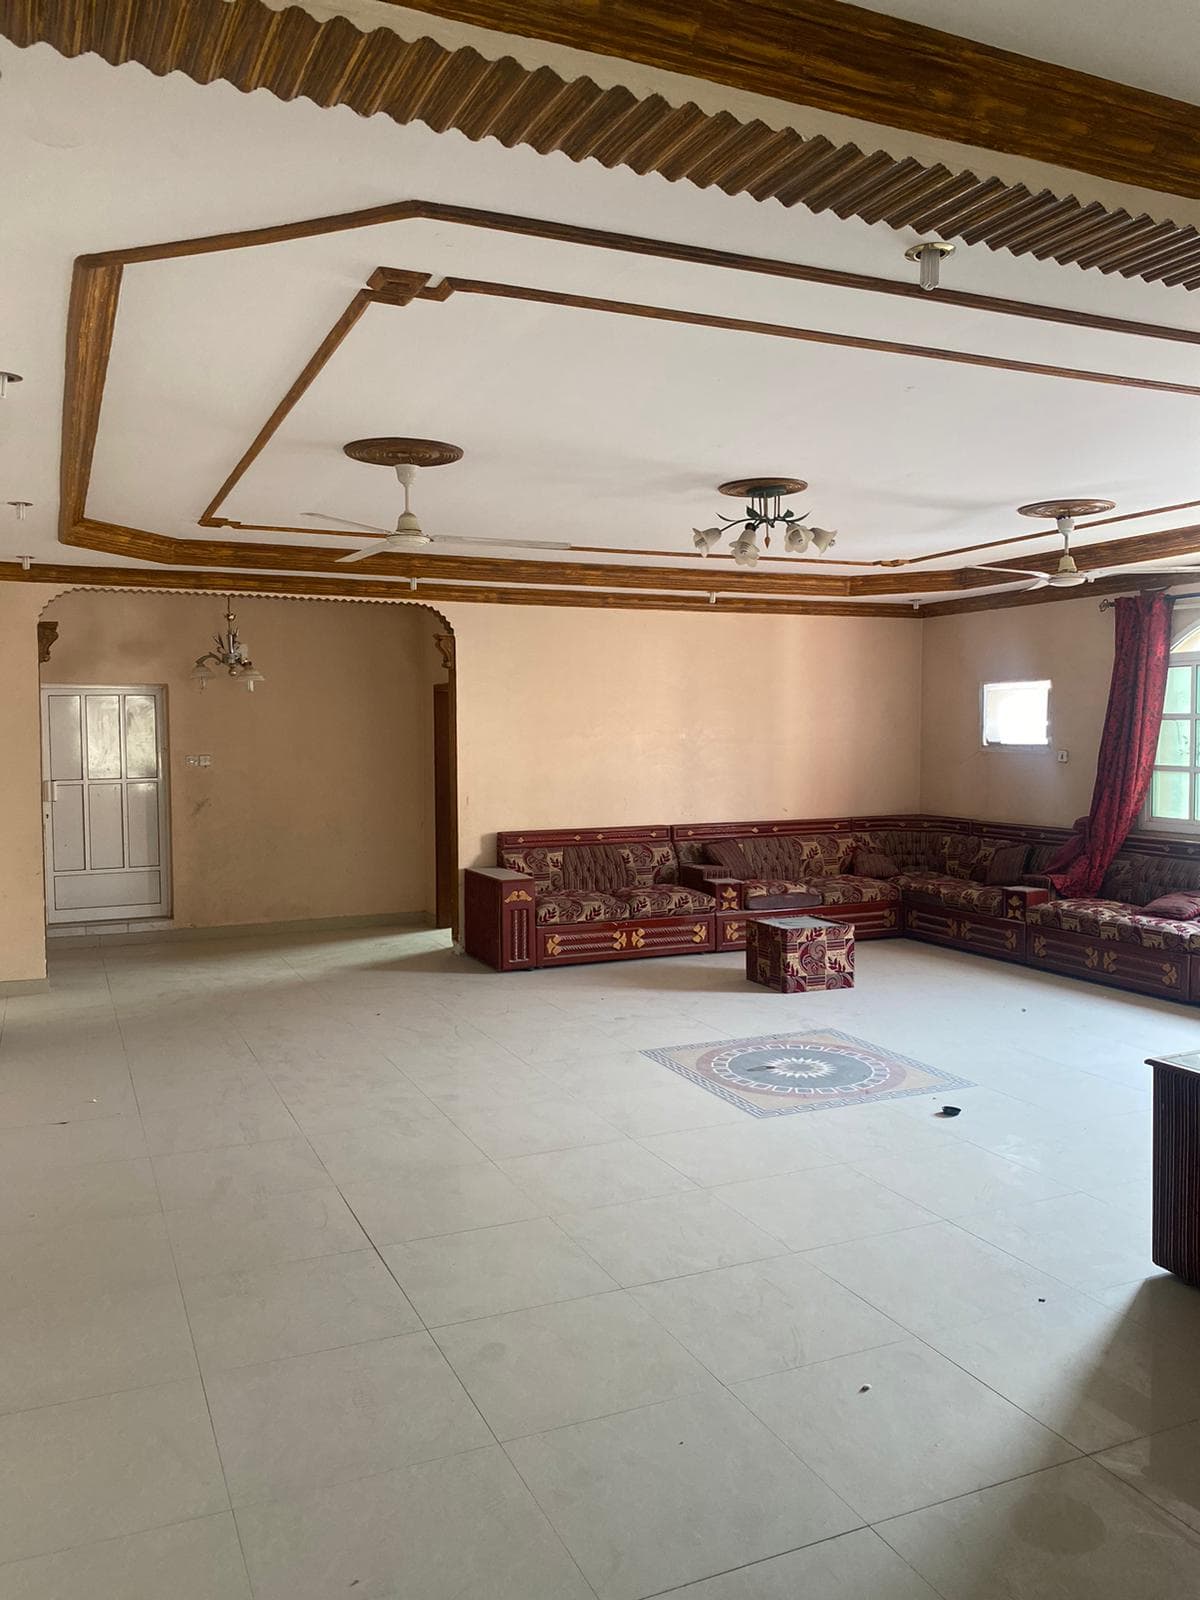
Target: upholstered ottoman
(794, 954)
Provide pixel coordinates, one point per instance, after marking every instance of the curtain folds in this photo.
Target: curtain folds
(1141, 655)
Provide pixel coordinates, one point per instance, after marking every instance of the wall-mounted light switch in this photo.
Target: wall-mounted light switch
(198, 761)
(1064, 756)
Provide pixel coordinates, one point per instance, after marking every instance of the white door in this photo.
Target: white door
(104, 802)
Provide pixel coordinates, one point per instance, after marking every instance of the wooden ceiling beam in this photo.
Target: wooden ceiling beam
(878, 68)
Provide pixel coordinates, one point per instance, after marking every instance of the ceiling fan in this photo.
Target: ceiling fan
(1067, 575)
(406, 456)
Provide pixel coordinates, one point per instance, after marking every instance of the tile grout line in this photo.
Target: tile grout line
(191, 1335)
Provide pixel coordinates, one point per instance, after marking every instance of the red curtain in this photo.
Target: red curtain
(1135, 701)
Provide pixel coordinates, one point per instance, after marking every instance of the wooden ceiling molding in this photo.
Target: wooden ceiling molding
(92, 315)
(399, 287)
(861, 63)
(854, 62)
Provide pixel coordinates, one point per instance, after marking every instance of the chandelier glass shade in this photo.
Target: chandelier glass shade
(764, 514)
(229, 655)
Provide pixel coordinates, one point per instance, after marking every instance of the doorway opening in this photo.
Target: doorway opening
(327, 797)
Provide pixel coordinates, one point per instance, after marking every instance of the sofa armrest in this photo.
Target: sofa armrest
(725, 890)
(1018, 897)
(500, 917)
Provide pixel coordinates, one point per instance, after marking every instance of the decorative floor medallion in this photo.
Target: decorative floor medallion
(780, 1074)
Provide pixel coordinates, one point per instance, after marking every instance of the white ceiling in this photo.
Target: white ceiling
(1153, 45)
(592, 428)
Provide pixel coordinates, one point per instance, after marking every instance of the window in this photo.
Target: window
(1174, 799)
(1016, 714)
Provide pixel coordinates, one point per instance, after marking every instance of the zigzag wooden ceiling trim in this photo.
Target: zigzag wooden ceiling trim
(292, 55)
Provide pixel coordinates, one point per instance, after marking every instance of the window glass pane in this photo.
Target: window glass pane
(1179, 689)
(1016, 713)
(141, 750)
(1170, 795)
(1196, 801)
(1174, 743)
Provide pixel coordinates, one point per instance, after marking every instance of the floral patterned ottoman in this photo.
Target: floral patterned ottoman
(795, 954)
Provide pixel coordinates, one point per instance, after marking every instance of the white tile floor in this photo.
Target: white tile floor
(338, 1266)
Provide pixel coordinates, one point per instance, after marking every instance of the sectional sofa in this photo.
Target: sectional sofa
(569, 895)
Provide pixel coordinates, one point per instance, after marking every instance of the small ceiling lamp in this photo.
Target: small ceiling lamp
(928, 256)
(5, 379)
(764, 513)
(230, 656)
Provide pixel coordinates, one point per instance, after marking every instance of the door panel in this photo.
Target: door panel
(67, 800)
(141, 736)
(66, 737)
(104, 891)
(103, 724)
(105, 802)
(143, 824)
(106, 826)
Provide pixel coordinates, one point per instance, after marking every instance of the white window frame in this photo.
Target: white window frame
(1008, 683)
(1180, 658)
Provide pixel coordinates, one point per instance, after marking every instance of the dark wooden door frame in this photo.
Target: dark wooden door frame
(445, 805)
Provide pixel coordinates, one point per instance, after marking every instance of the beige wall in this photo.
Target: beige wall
(1070, 642)
(564, 717)
(592, 718)
(318, 802)
(22, 932)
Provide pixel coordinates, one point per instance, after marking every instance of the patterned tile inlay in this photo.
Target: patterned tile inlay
(783, 1073)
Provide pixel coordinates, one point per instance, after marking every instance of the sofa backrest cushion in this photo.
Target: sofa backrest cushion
(870, 863)
(797, 856)
(648, 864)
(1001, 862)
(1137, 879)
(605, 868)
(728, 853)
(543, 863)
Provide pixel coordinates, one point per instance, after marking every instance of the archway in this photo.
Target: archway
(328, 797)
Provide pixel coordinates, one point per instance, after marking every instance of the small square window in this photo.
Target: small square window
(1016, 713)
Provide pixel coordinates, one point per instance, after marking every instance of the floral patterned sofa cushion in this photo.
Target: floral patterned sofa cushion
(582, 906)
(837, 889)
(543, 864)
(958, 894)
(648, 864)
(666, 900)
(1113, 919)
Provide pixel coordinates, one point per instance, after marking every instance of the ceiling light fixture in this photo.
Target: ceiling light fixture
(928, 255)
(764, 513)
(22, 508)
(5, 379)
(230, 655)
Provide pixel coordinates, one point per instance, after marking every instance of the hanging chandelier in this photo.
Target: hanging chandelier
(764, 514)
(230, 655)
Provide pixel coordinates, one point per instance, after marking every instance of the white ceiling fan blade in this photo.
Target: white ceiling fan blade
(500, 544)
(1138, 572)
(1017, 572)
(346, 522)
(367, 550)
